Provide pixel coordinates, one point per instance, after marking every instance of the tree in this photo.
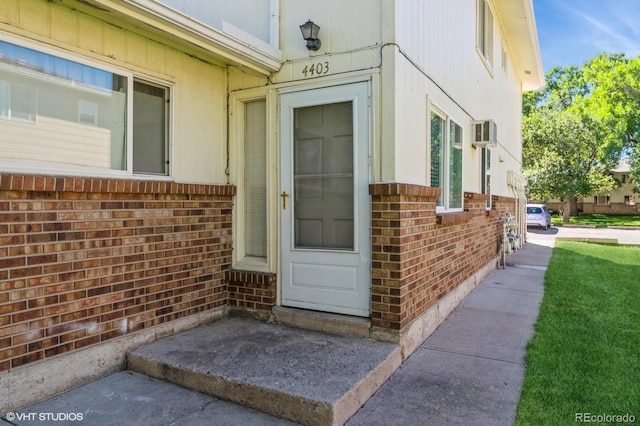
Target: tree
(561, 157)
(577, 128)
(615, 101)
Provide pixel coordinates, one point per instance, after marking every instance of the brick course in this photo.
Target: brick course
(80, 268)
(418, 255)
(85, 260)
(251, 290)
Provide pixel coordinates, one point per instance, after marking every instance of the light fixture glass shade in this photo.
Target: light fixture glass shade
(309, 30)
(310, 33)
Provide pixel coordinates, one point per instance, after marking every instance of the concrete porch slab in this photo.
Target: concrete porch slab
(126, 398)
(304, 376)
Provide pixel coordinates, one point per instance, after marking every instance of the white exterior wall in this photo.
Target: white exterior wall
(349, 32)
(438, 36)
(198, 128)
(459, 84)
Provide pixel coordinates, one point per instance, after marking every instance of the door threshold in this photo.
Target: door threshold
(343, 325)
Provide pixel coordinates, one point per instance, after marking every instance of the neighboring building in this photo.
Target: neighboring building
(163, 163)
(622, 200)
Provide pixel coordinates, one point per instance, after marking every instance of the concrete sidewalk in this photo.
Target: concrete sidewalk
(469, 371)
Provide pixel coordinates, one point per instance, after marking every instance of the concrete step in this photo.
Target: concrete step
(309, 377)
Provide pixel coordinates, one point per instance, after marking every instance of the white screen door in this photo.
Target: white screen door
(324, 205)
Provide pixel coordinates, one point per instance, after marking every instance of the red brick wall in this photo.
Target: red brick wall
(83, 260)
(419, 256)
(252, 290)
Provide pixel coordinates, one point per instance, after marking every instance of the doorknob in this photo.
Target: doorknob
(284, 196)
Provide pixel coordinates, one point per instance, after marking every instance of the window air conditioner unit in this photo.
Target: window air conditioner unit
(485, 134)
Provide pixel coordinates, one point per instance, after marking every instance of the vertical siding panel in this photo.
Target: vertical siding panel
(114, 42)
(439, 36)
(64, 25)
(9, 12)
(136, 50)
(157, 57)
(90, 34)
(199, 125)
(344, 27)
(34, 17)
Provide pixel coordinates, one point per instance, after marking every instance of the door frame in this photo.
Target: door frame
(356, 91)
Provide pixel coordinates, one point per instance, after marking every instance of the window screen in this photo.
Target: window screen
(255, 178)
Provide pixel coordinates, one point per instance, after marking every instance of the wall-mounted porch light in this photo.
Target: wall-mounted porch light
(310, 33)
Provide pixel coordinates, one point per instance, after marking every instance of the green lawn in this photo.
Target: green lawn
(585, 354)
(599, 220)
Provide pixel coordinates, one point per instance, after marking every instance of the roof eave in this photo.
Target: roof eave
(263, 59)
(518, 19)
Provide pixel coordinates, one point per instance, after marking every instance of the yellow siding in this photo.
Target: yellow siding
(199, 89)
(34, 17)
(91, 34)
(115, 48)
(64, 25)
(9, 11)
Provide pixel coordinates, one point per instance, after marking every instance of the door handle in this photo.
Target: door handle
(284, 196)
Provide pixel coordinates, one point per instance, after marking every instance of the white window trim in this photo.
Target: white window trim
(237, 162)
(485, 54)
(57, 169)
(446, 154)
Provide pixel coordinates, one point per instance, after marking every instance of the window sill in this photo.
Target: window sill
(46, 183)
(79, 171)
(445, 219)
(253, 264)
(487, 64)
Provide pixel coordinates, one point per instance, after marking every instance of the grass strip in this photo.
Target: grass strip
(599, 220)
(585, 354)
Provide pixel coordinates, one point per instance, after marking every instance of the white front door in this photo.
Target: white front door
(324, 205)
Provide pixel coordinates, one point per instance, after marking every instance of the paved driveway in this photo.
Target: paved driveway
(548, 237)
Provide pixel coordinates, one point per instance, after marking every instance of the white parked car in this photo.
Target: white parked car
(538, 215)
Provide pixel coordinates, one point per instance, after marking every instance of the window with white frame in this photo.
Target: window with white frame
(446, 160)
(53, 102)
(484, 35)
(255, 180)
(485, 176)
(601, 199)
(17, 102)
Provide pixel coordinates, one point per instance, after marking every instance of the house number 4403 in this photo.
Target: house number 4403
(316, 69)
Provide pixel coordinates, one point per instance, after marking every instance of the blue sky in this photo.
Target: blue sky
(573, 31)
